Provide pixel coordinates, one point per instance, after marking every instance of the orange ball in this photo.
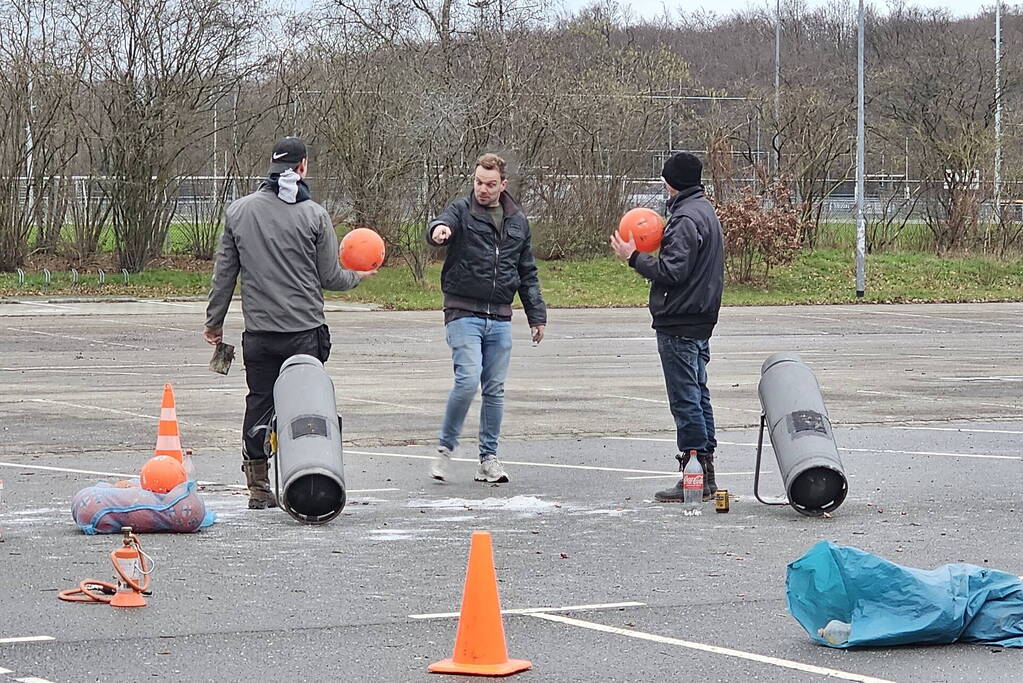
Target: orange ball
(362, 249)
(644, 225)
(161, 474)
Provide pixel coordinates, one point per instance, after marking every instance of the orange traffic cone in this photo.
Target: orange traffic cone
(479, 643)
(168, 437)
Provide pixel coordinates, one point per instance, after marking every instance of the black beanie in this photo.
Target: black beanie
(682, 170)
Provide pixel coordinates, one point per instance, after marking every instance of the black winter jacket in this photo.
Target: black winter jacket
(687, 275)
(486, 265)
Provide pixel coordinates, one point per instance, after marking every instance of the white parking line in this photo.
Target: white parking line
(91, 408)
(767, 446)
(113, 366)
(964, 429)
(803, 316)
(714, 649)
(136, 324)
(676, 474)
(664, 402)
(893, 394)
(639, 438)
(81, 339)
(637, 398)
(47, 468)
(180, 304)
(539, 610)
(53, 305)
(949, 455)
(130, 414)
(967, 321)
(1003, 378)
(202, 482)
(594, 468)
(385, 403)
(25, 639)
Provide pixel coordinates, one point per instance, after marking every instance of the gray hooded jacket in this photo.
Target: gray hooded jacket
(286, 255)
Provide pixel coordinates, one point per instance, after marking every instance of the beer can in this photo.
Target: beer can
(721, 500)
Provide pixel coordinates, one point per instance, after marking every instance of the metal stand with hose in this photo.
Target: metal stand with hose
(133, 569)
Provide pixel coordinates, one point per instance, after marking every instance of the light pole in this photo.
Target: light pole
(777, 88)
(998, 109)
(29, 147)
(215, 124)
(861, 229)
(29, 142)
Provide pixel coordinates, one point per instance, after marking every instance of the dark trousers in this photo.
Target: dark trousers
(264, 353)
(684, 362)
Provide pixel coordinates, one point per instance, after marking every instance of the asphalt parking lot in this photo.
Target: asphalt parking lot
(603, 584)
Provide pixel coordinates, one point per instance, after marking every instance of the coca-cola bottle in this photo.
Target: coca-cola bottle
(692, 487)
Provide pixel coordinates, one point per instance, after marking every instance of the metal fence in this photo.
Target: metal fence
(202, 195)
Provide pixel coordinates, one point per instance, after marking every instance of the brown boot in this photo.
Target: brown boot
(257, 478)
(710, 486)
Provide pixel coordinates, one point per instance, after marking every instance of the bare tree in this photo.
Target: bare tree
(946, 112)
(396, 99)
(156, 71)
(37, 86)
(896, 206)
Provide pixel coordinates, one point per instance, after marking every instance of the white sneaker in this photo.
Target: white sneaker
(439, 465)
(491, 471)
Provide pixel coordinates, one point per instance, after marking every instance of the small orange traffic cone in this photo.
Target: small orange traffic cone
(479, 643)
(168, 437)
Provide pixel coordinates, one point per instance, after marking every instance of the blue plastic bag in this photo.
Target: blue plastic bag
(888, 604)
(105, 508)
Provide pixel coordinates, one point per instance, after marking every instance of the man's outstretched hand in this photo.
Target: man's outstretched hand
(440, 233)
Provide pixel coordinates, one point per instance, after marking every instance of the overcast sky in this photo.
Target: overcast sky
(649, 8)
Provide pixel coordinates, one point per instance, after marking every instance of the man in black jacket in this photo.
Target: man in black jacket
(489, 258)
(686, 280)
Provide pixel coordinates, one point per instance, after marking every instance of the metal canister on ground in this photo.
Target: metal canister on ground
(721, 500)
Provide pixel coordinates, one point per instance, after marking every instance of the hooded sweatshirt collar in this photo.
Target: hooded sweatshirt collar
(289, 186)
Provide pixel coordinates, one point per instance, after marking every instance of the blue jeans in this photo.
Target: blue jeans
(480, 352)
(684, 361)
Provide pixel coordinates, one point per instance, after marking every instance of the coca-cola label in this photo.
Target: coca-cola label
(692, 481)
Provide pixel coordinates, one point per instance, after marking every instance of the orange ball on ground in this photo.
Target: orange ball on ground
(161, 474)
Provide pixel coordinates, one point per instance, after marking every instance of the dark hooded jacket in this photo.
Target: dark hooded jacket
(687, 274)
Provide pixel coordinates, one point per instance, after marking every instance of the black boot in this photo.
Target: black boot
(257, 478)
(710, 487)
(675, 494)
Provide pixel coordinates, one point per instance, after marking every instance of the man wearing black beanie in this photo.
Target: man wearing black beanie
(686, 279)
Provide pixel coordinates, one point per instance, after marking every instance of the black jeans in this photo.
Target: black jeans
(684, 361)
(264, 353)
